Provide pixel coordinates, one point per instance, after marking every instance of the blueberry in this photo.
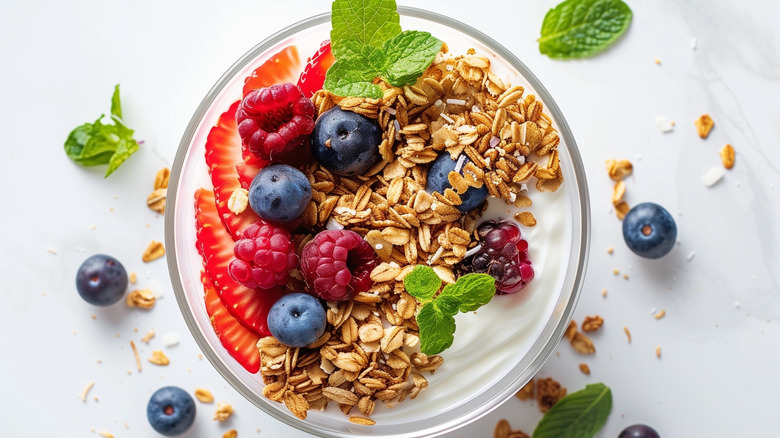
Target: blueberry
(279, 193)
(639, 431)
(101, 280)
(345, 142)
(438, 181)
(649, 230)
(297, 319)
(171, 411)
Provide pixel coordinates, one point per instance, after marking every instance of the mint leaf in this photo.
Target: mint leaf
(408, 55)
(447, 304)
(436, 329)
(94, 144)
(360, 23)
(352, 78)
(582, 28)
(422, 283)
(367, 42)
(472, 291)
(116, 105)
(578, 415)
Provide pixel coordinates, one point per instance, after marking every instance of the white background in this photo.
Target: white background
(719, 287)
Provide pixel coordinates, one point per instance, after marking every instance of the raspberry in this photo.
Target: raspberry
(337, 264)
(504, 255)
(275, 121)
(264, 256)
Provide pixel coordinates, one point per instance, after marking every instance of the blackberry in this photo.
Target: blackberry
(503, 254)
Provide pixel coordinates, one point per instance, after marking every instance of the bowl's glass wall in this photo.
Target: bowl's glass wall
(423, 416)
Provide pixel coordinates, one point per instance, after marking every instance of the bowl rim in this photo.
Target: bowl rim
(579, 249)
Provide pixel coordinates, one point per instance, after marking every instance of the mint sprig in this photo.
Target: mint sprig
(96, 143)
(368, 43)
(577, 415)
(582, 28)
(436, 317)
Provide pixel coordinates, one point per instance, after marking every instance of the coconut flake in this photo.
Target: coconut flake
(333, 224)
(494, 141)
(713, 175)
(456, 101)
(390, 111)
(436, 255)
(472, 251)
(170, 339)
(664, 124)
(459, 164)
(447, 118)
(693, 43)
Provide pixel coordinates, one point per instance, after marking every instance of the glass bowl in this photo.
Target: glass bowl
(497, 350)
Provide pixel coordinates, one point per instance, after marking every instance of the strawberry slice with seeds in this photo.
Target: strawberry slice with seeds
(282, 67)
(239, 341)
(223, 152)
(313, 76)
(248, 305)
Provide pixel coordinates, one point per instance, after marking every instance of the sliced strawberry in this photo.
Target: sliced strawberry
(247, 170)
(313, 75)
(249, 306)
(280, 68)
(223, 152)
(240, 342)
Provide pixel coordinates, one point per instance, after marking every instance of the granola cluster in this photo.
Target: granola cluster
(369, 351)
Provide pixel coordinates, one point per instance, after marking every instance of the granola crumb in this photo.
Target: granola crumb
(604, 293)
(51, 250)
(504, 430)
(616, 271)
(133, 278)
(105, 434)
(204, 395)
(610, 250)
(232, 433)
(585, 368)
(658, 352)
(527, 391)
(137, 358)
(727, 156)
(704, 125)
(548, 392)
(223, 412)
(159, 358)
(657, 61)
(628, 333)
(86, 390)
(153, 251)
(660, 314)
(625, 276)
(148, 336)
(592, 323)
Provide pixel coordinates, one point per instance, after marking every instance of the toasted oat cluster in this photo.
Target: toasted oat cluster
(369, 351)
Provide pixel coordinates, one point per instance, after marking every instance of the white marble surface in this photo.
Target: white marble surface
(719, 339)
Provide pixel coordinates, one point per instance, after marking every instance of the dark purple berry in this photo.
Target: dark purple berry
(279, 193)
(101, 280)
(438, 181)
(171, 411)
(345, 142)
(639, 431)
(649, 230)
(503, 255)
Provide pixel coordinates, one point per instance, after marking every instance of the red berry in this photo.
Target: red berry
(504, 255)
(313, 75)
(275, 121)
(264, 256)
(337, 264)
